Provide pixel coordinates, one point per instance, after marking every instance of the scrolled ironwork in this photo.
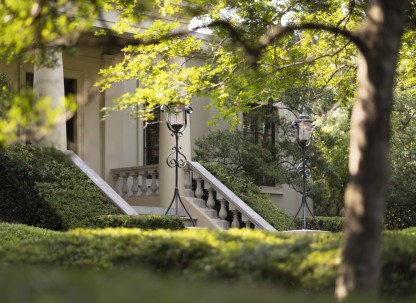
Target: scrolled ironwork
(176, 158)
(304, 170)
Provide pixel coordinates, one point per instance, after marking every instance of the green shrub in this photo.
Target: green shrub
(399, 263)
(236, 255)
(291, 260)
(139, 221)
(334, 224)
(14, 233)
(41, 187)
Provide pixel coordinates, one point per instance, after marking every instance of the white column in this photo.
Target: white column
(50, 82)
(166, 174)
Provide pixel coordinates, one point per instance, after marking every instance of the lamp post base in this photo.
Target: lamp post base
(177, 198)
(304, 205)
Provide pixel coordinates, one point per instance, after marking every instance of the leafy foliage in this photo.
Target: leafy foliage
(240, 155)
(50, 193)
(23, 115)
(329, 160)
(30, 24)
(310, 63)
(401, 209)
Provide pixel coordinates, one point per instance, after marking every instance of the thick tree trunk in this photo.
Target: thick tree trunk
(365, 196)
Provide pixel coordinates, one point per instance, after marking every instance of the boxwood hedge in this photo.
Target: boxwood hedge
(15, 233)
(334, 224)
(139, 221)
(291, 260)
(40, 187)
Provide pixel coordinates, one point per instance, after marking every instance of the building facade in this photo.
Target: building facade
(109, 146)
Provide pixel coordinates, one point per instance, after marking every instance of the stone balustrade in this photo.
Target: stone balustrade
(221, 202)
(137, 181)
(205, 191)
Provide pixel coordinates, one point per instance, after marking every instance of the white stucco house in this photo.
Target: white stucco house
(127, 156)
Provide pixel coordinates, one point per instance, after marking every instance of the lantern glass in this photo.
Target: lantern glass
(305, 130)
(176, 115)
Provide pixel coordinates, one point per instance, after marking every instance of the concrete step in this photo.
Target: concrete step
(188, 223)
(212, 213)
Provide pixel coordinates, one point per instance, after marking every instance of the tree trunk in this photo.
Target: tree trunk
(365, 196)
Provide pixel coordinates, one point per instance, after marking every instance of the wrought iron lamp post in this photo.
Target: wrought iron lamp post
(177, 123)
(304, 131)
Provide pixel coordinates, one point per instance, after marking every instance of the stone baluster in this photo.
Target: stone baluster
(115, 178)
(143, 186)
(234, 222)
(153, 185)
(188, 182)
(222, 214)
(135, 184)
(246, 221)
(125, 188)
(198, 191)
(210, 200)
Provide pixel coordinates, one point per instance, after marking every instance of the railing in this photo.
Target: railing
(219, 197)
(138, 181)
(208, 193)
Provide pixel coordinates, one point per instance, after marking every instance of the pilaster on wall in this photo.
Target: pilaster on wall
(121, 132)
(50, 82)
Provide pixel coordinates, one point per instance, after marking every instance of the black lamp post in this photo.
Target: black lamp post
(177, 123)
(304, 131)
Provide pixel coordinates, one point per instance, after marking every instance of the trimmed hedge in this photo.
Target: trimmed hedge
(334, 224)
(14, 233)
(40, 187)
(235, 255)
(290, 260)
(139, 221)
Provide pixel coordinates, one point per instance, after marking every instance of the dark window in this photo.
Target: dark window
(151, 140)
(259, 125)
(71, 124)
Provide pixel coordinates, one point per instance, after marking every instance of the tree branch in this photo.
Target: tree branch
(278, 31)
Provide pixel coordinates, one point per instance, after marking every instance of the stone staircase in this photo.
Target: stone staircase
(210, 203)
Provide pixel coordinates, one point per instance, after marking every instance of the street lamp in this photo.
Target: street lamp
(177, 123)
(304, 130)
